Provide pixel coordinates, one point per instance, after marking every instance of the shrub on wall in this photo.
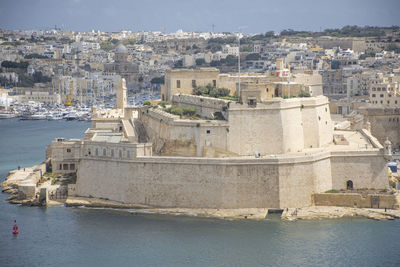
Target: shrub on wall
(177, 110)
(304, 94)
(211, 91)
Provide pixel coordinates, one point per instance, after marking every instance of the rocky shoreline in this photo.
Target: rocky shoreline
(330, 212)
(251, 213)
(24, 186)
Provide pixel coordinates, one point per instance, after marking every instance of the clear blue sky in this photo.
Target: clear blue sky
(197, 15)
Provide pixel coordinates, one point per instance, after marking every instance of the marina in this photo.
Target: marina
(38, 111)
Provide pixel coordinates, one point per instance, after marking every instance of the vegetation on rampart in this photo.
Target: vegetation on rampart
(181, 111)
(211, 91)
(303, 94)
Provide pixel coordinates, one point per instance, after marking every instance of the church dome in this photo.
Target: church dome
(121, 49)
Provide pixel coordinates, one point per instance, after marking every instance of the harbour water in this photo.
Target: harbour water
(60, 236)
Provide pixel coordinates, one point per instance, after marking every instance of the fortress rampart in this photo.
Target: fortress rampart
(274, 182)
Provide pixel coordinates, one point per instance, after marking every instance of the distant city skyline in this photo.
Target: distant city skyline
(255, 16)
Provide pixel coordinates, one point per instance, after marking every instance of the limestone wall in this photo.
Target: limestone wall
(298, 181)
(273, 127)
(316, 121)
(205, 106)
(173, 136)
(116, 150)
(385, 124)
(192, 183)
(255, 130)
(356, 200)
(269, 182)
(279, 126)
(113, 125)
(365, 169)
(292, 125)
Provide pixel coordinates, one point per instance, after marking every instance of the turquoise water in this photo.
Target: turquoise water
(60, 236)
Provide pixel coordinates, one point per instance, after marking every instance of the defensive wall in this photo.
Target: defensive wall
(357, 200)
(273, 127)
(385, 123)
(268, 182)
(205, 106)
(171, 135)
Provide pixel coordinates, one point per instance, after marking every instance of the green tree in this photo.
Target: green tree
(14, 65)
(114, 41)
(246, 49)
(38, 77)
(200, 61)
(107, 46)
(34, 55)
(178, 64)
(253, 56)
(157, 80)
(335, 64)
(230, 60)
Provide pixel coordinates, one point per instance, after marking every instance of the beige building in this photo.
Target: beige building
(273, 84)
(385, 123)
(385, 90)
(183, 81)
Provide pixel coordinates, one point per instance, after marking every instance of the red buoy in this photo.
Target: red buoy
(15, 228)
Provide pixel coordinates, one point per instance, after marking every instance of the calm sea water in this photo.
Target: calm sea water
(60, 236)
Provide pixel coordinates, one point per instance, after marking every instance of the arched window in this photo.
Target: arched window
(349, 185)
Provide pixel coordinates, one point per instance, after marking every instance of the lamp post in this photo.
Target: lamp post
(239, 67)
(240, 31)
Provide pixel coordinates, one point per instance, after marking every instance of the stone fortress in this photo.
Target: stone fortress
(263, 151)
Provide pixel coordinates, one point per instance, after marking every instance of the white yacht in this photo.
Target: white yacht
(5, 114)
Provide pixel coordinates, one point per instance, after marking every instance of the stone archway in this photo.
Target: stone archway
(349, 185)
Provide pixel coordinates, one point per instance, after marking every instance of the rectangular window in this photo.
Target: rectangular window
(120, 154)
(97, 152)
(208, 131)
(112, 152)
(178, 84)
(104, 152)
(128, 154)
(68, 150)
(373, 95)
(72, 166)
(215, 83)
(65, 166)
(194, 83)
